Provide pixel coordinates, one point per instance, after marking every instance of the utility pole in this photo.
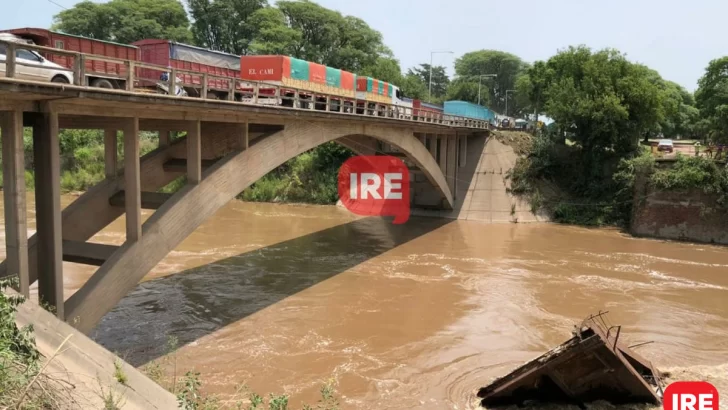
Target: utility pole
(432, 53)
(480, 80)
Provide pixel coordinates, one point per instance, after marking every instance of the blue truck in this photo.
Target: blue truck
(470, 110)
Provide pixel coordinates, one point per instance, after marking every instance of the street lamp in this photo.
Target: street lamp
(508, 91)
(480, 80)
(432, 53)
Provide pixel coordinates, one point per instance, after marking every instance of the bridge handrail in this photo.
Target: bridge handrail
(240, 86)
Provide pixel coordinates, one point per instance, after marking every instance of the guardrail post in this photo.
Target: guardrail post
(172, 85)
(130, 75)
(278, 95)
(231, 90)
(256, 92)
(77, 72)
(10, 61)
(328, 101)
(204, 85)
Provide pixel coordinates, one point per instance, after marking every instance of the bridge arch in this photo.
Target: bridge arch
(181, 214)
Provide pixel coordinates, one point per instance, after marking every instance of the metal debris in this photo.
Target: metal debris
(593, 365)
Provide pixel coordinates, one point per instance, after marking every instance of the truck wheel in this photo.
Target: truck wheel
(102, 83)
(59, 79)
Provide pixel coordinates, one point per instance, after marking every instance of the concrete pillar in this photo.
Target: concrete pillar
(163, 137)
(110, 157)
(132, 185)
(16, 222)
(244, 135)
(463, 149)
(194, 153)
(46, 151)
(433, 145)
(451, 167)
(443, 154)
(422, 137)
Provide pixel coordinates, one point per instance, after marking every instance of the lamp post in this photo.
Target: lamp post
(508, 91)
(480, 80)
(432, 53)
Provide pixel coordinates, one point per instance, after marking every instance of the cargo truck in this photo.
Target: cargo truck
(181, 56)
(98, 73)
(469, 110)
(314, 82)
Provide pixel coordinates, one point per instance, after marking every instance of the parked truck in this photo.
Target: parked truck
(98, 73)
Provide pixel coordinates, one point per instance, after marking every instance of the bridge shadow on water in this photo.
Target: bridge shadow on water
(196, 302)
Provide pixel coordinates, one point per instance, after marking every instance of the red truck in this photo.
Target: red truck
(171, 54)
(98, 73)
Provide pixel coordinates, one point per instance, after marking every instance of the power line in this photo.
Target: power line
(59, 5)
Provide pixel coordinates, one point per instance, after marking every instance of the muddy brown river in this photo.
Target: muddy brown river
(284, 297)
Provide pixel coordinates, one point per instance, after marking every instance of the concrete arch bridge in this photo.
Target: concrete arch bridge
(228, 146)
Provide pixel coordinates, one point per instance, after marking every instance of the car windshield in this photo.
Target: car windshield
(665, 142)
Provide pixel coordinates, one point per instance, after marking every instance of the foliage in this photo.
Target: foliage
(385, 69)
(273, 35)
(311, 177)
(226, 25)
(690, 172)
(440, 80)
(126, 21)
(506, 66)
(681, 114)
(712, 100)
(19, 358)
(413, 87)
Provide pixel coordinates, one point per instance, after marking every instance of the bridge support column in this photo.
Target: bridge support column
(132, 183)
(194, 153)
(164, 137)
(46, 152)
(452, 156)
(244, 136)
(16, 222)
(433, 145)
(463, 150)
(110, 157)
(442, 152)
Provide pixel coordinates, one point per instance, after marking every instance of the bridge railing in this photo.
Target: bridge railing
(138, 76)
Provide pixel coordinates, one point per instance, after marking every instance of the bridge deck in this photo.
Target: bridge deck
(71, 100)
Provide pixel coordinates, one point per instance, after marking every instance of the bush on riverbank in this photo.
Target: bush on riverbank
(308, 178)
(82, 157)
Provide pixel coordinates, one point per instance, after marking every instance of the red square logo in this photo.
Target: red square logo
(690, 396)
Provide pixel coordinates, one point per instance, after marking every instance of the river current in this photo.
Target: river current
(283, 298)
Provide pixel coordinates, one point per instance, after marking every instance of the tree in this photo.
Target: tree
(712, 99)
(413, 87)
(385, 69)
(506, 66)
(440, 80)
(225, 25)
(681, 115)
(126, 21)
(327, 37)
(606, 102)
(273, 36)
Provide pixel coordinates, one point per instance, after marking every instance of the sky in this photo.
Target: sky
(678, 38)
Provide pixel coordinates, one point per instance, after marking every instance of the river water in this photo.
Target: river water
(284, 298)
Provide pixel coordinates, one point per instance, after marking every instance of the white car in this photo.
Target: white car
(31, 65)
